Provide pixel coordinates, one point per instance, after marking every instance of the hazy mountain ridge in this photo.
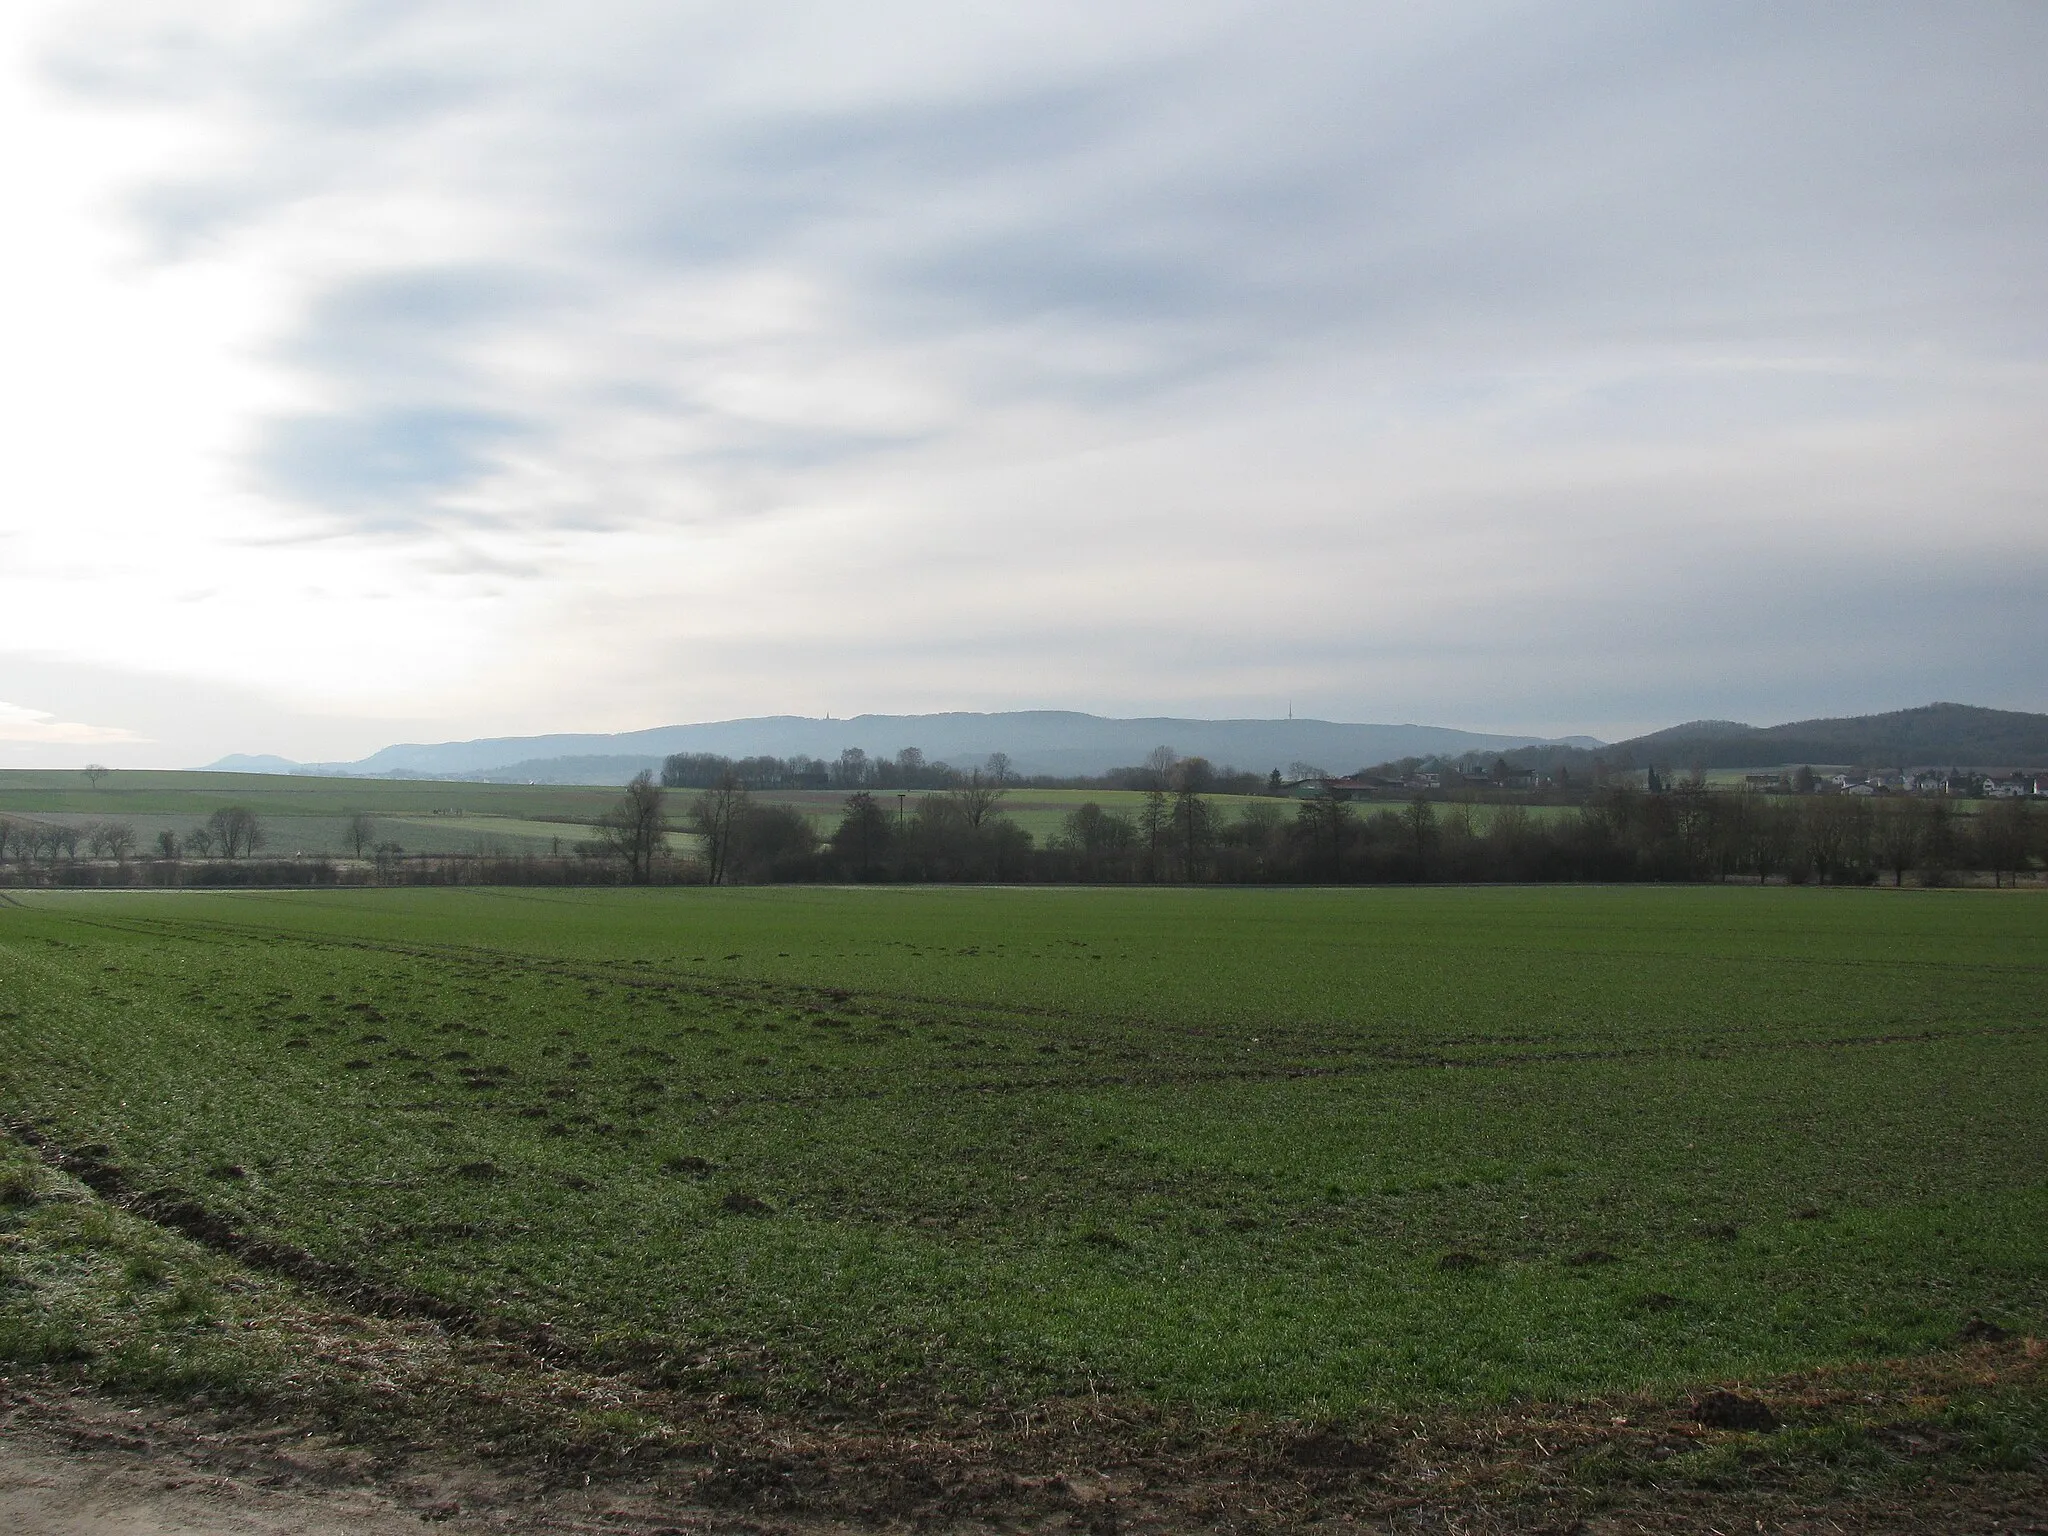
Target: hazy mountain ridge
(1062, 742)
(1957, 735)
(1071, 744)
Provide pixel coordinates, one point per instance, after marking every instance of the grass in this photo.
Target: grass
(126, 793)
(1293, 1152)
(310, 815)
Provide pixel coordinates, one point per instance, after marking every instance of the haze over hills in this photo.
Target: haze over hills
(1062, 742)
(1958, 735)
(1068, 743)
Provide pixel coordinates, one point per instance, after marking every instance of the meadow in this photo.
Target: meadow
(307, 815)
(1291, 1152)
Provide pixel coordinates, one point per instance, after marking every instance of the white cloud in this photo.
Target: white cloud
(39, 727)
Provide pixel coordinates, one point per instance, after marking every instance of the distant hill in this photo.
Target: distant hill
(1062, 742)
(1934, 735)
(242, 762)
(598, 768)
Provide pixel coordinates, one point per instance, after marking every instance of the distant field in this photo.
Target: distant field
(135, 793)
(1285, 1150)
(310, 815)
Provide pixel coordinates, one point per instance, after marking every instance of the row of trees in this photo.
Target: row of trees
(740, 839)
(1179, 833)
(909, 769)
(232, 832)
(853, 769)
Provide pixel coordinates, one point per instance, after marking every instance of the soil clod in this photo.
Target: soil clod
(1731, 1410)
(1330, 1449)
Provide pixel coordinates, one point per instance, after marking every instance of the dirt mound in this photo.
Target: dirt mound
(1328, 1449)
(1731, 1410)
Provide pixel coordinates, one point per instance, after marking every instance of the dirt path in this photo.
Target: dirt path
(72, 1464)
(79, 1466)
(48, 1492)
(49, 1489)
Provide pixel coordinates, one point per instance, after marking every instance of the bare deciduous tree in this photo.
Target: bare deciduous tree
(1155, 817)
(636, 829)
(1258, 825)
(94, 772)
(236, 831)
(360, 833)
(718, 816)
(109, 839)
(53, 842)
(978, 798)
(1097, 833)
(1420, 819)
(1899, 834)
(2005, 834)
(1193, 825)
(1324, 822)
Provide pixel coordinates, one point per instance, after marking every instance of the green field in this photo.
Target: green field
(1302, 1152)
(309, 815)
(127, 793)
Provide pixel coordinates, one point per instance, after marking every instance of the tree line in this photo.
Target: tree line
(1179, 833)
(232, 832)
(909, 769)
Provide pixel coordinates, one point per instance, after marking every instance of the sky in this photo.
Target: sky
(384, 370)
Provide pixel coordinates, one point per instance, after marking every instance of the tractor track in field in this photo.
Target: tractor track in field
(1382, 1058)
(174, 1208)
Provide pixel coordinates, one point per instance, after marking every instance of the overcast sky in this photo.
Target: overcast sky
(405, 370)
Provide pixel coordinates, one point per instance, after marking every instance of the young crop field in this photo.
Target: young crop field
(149, 792)
(308, 815)
(1304, 1156)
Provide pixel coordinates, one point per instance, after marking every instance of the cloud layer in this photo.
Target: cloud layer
(1545, 367)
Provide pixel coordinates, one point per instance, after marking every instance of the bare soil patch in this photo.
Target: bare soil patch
(74, 1463)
